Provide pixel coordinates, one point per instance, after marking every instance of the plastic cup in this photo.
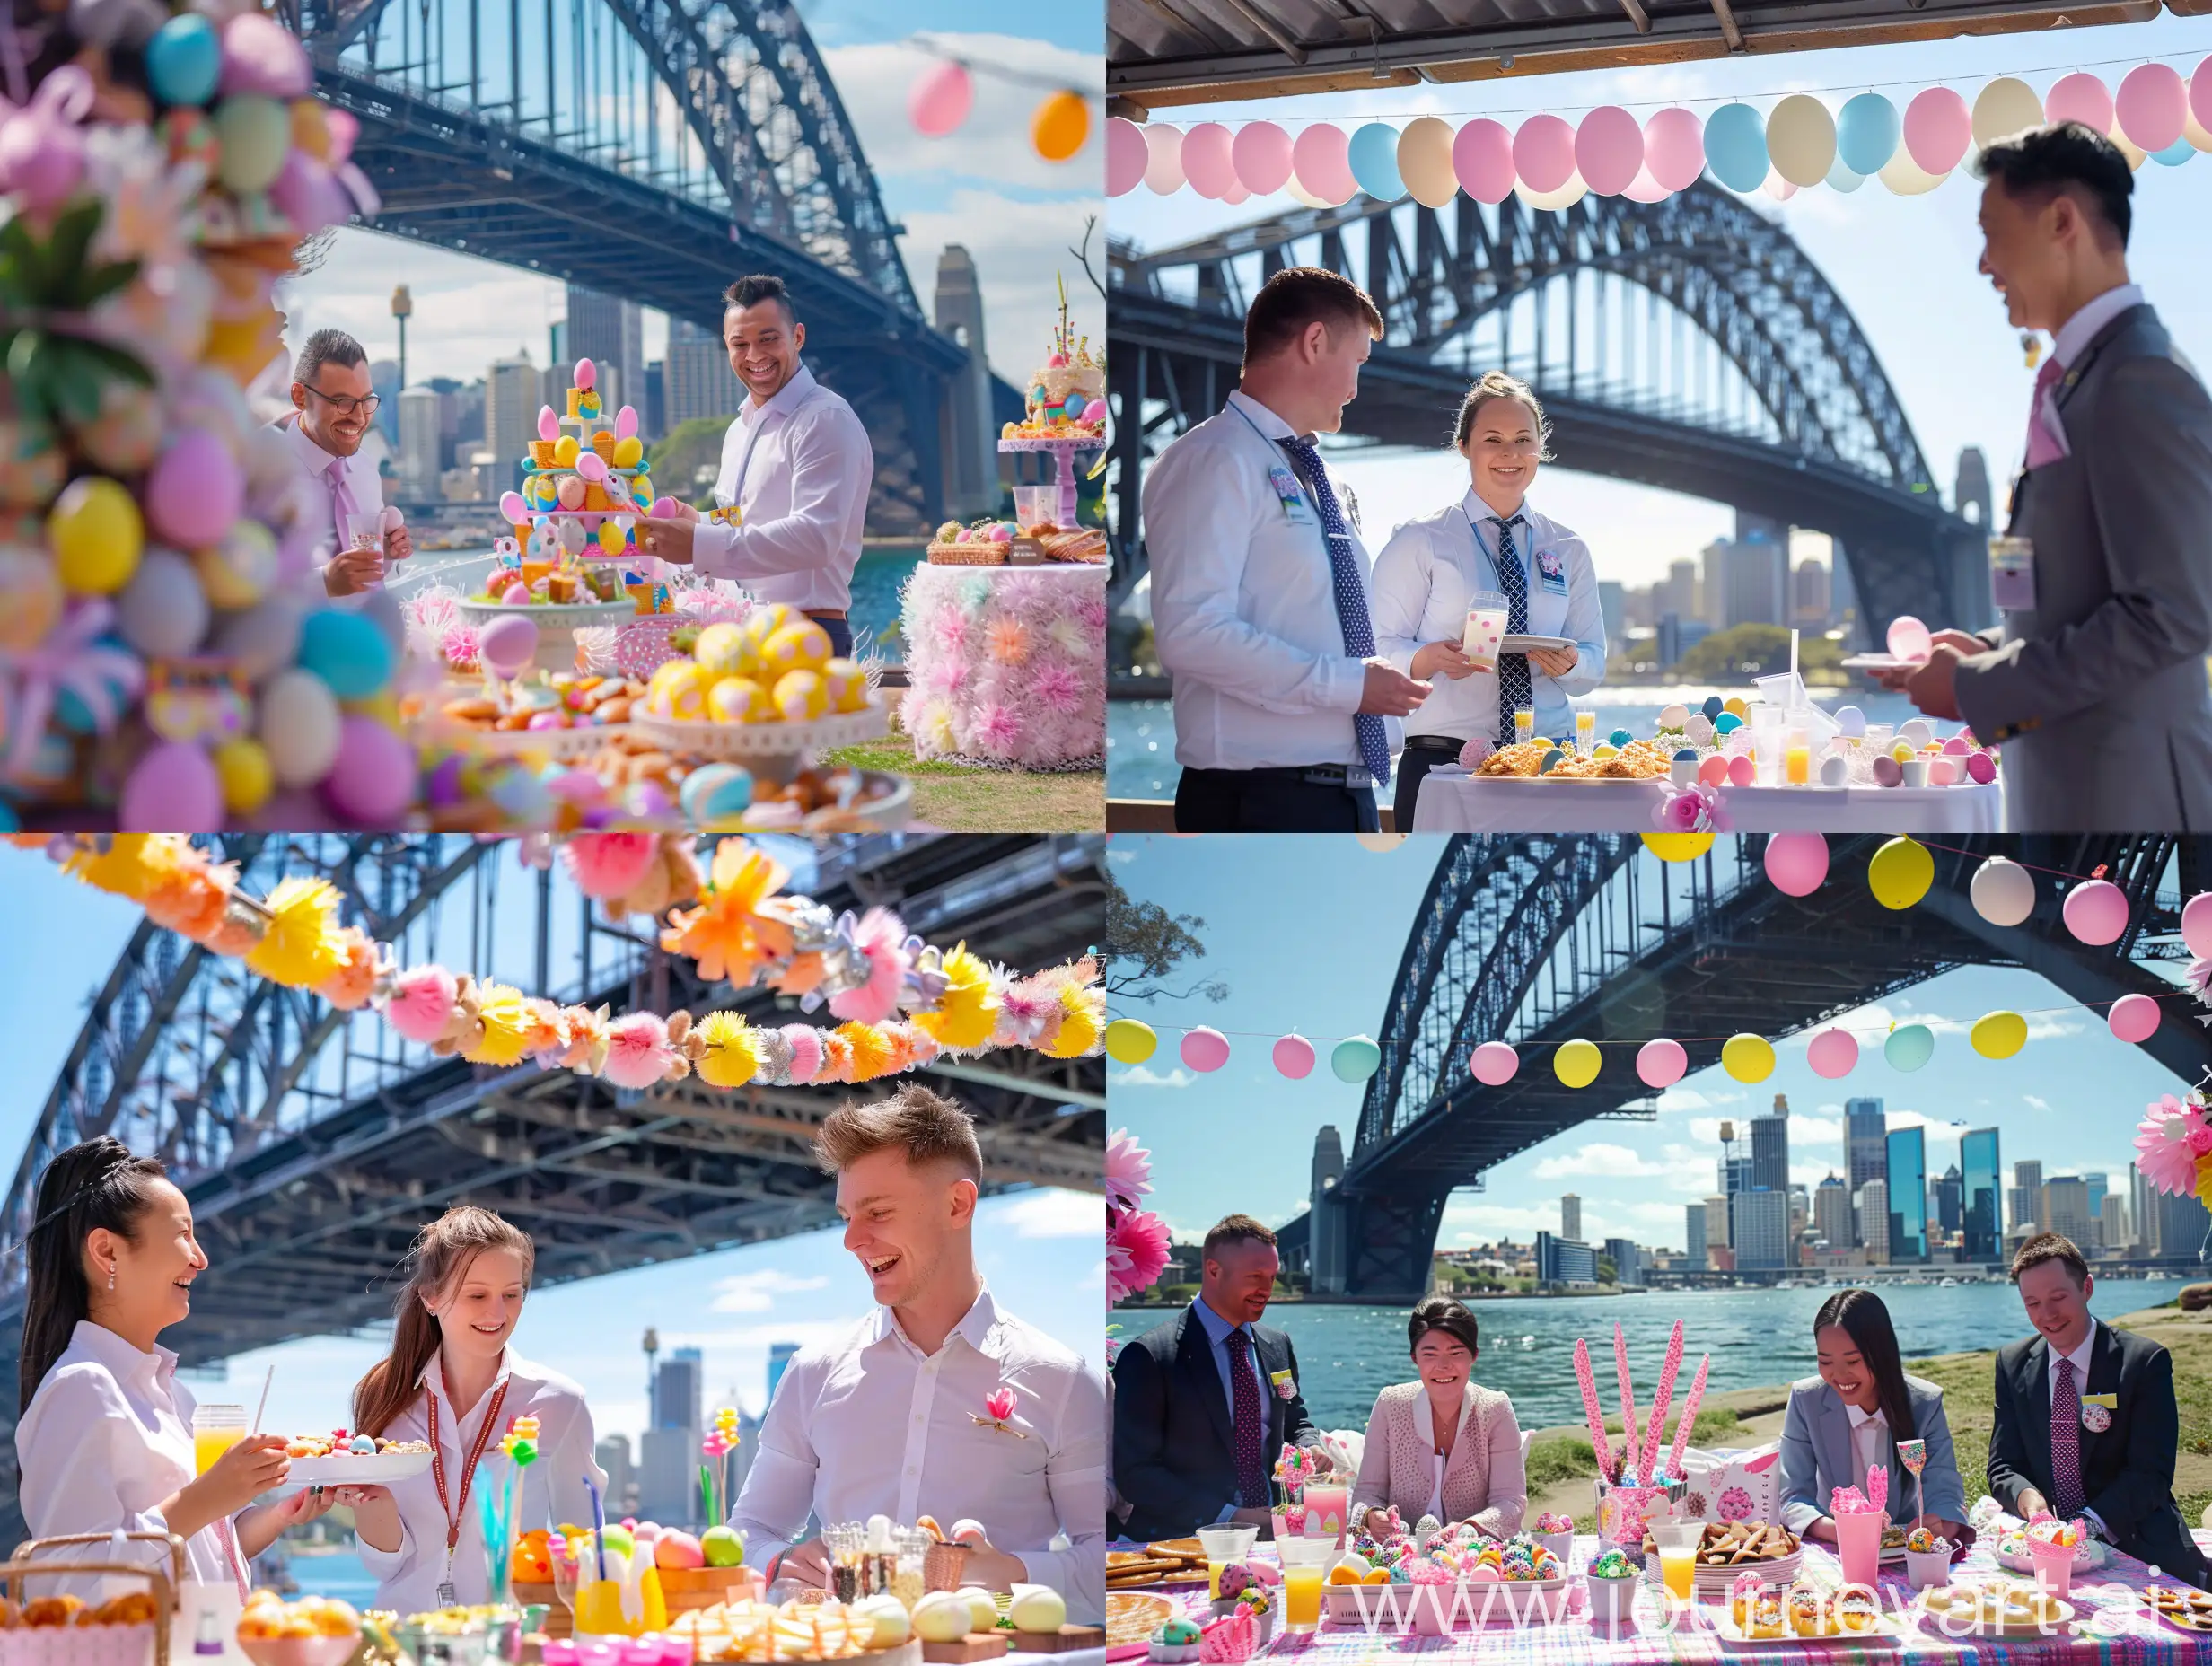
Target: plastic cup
(1326, 1506)
(1487, 614)
(2054, 1566)
(1858, 1546)
(1797, 760)
(1305, 1561)
(215, 1429)
(1524, 723)
(1612, 1601)
(1678, 1544)
(1223, 1546)
(1033, 503)
(1916, 771)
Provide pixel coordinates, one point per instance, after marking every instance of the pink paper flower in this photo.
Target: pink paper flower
(1128, 1171)
(2164, 1149)
(1137, 1245)
(1000, 1404)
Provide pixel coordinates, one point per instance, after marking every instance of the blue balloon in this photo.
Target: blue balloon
(347, 651)
(1910, 1046)
(184, 60)
(1736, 147)
(2176, 153)
(1867, 130)
(1841, 179)
(1375, 161)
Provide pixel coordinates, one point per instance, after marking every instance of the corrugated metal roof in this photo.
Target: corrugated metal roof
(1165, 52)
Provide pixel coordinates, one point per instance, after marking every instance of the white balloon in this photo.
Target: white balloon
(1565, 196)
(300, 724)
(1163, 165)
(1906, 177)
(163, 611)
(2003, 891)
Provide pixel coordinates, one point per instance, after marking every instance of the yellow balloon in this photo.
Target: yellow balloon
(243, 767)
(96, 534)
(1425, 161)
(1901, 873)
(1747, 1058)
(1678, 847)
(1129, 1041)
(2006, 106)
(1060, 125)
(1998, 1035)
(1576, 1062)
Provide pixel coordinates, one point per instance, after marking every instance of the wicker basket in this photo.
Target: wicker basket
(685, 1589)
(541, 453)
(970, 554)
(559, 1621)
(942, 1566)
(92, 1645)
(603, 443)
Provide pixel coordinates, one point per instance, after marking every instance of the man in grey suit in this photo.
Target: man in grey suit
(2095, 685)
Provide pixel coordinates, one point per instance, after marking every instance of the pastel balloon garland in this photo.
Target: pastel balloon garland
(904, 1002)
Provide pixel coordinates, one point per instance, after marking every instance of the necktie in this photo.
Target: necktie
(343, 506)
(1252, 1469)
(1375, 750)
(2065, 1444)
(2042, 444)
(1513, 690)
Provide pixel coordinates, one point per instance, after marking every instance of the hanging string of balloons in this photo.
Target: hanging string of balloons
(942, 97)
(1551, 163)
(904, 1002)
(2003, 891)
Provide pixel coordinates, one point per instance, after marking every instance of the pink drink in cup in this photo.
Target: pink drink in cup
(1858, 1544)
(1487, 616)
(2053, 1564)
(1327, 1504)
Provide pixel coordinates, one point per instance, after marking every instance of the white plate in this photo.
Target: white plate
(357, 1471)
(738, 742)
(1879, 663)
(1983, 1630)
(1715, 1581)
(1884, 1635)
(1521, 642)
(2024, 1564)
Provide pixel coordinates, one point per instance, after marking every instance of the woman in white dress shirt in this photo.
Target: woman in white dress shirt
(453, 1381)
(104, 1440)
(1442, 1445)
(1431, 567)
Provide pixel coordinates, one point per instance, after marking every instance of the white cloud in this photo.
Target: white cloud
(1598, 1158)
(806, 1333)
(1054, 1213)
(1145, 1076)
(1095, 1279)
(2038, 1101)
(1805, 1130)
(1020, 249)
(756, 1292)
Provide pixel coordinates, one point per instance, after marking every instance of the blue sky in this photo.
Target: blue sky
(1040, 1251)
(982, 187)
(1905, 266)
(1307, 932)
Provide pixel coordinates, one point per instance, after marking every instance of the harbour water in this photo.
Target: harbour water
(1757, 1337)
(1140, 734)
(337, 1573)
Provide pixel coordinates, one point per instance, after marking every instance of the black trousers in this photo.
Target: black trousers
(1417, 760)
(1270, 801)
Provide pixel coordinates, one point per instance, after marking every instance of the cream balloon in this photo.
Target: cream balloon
(1163, 166)
(2135, 153)
(1425, 161)
(1565, 196)
(1777, 186)
(1801, 139)
(2193, 131)
(1906, 177)
(1294, 189)
(2006, 106)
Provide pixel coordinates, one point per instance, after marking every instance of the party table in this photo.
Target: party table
(1454, 801)
(2115, 1627)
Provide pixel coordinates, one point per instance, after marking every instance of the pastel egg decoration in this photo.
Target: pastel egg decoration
(1661, 1062)
(1741, 771)
(184, 60)
(715, 795)
(800, 696)
(1915, 733)
(299, 726)
(1850, 722)
(2133, 1018)
(172, 788)
(1832, 1053)
(2002, 891)
(1796, 863)
(1713, 771)
(372, 780)
(252, 134)
(1981, 769)
(1908, 639)
(244, 773)
(1888, 771)
(1293, 1056)
(347, 651)
(96, 533)
(1909, 1047)
(507, 644)
(1355, 1059)
(162, 612)
(30, 597)
(2197, 925)
(1494, 1063)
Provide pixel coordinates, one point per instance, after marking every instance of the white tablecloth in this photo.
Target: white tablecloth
(1453, 802)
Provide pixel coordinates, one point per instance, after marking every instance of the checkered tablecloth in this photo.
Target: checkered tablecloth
(2116, 1628)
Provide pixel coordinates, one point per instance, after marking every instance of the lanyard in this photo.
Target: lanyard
(1305, 490)
(1475, 532)
(454, 1511)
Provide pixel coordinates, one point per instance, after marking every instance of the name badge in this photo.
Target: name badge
(1552, 571)
(2011, 574)
(1292, 495)
(2110, 1402)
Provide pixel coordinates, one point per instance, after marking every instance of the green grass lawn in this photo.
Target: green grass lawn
(961, 798)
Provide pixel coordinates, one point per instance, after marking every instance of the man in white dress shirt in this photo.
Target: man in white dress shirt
(892, 1420)
(1284, 708)
(796, 462)
(333, 404)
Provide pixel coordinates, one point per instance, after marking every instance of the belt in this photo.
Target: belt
(1351, 776)
(1434, 744)
(821, 613)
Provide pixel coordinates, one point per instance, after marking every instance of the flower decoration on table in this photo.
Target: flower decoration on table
(1615, 1563)
(1697, 808)
(1554, 1522)
(1734, 1504)
(998, 1413)
(1295, 1467)
(2174, 1146)
(721, 1440)
(1920, 1541)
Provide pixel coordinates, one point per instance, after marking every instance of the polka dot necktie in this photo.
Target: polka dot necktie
(1252, 1469)
(2066, 1443)
(1513, 688)
(1374, 747)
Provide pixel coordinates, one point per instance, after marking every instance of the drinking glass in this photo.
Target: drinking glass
(215, 1429)
(1487, 616)
(1306, 1560)
(1678, 1544)
(1223, 1546)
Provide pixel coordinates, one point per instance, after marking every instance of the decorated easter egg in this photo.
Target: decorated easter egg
(1552, 760)
(507, 644)
(1888, 771)
(1714, 771)
(252, 134)
(684, 695)
(722, 649)
(365, 1446)
(1850, 721)
(565, 451)
(1736, 705)
(372, 781)
(96, 534)
(1726, 725)
(1039, 1608)
(1712, 707)
(982, 1609)
(263, 639)
(724, 1546)
(626, 452)
(1958, 746)
(172, 788)
(944, 1617)
(1674, 716)
(163, 611)
(803, 645)
(184, 60)
(1095, 411)
(127, 433)
(1981, 769)
(300, 723)
(1699, 729)
(1619, 738)
(1903, 751)
(1834, 771)
(570, 491)
(1943, 770)
(739, 700)
(887, 1615)
(612, 538)
(848, 685)
(1741, 771)
(260, 55)
(716, 796)
(1916, 732)
(243, 770)
(30, 597)
(1603, 750)
(765, 621)
(242, 569)
(641, 489)
(348, 653)
(800, 695)
(675, 1548)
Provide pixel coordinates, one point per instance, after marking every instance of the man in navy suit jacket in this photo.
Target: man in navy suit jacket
(1178, 1463)
(2115, 1390)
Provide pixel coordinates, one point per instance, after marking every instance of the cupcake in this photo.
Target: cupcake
(1175, 1643)
(1229, 1640)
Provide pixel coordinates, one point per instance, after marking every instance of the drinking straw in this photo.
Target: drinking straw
(263, 1407)
(1659, 1407)
(1689, 1417)
(599, 1525)
(1792, 652)
(707, 1493)
(1628, 1399)
(1587, 1380)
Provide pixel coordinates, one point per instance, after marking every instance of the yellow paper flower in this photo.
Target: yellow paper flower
(132, 864)
(728, 934)
(969, 1012)
(730, 1055)
(507, 1019)
(1082, 1011)
(303, 943)
(872, 1051)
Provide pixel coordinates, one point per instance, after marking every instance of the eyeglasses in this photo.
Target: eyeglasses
(344, 406)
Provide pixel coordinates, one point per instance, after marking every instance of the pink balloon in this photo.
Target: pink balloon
(1126, 156)
(2200, 95)
(1293, 1056)
(1938, 126)
(1163, 158)
(1234, 195)
(1321, 158)
(2151, 105)
(2197, 925)
(512, 507)
(1797, 863)
(2080, 97)
(1205, 1049)
(1644, 189)
(2096, 911)
(1661, 1062)
(1482, 159)
(1674, 148)
(1260, 154)
(1609, 149)
(2134, 1017)
(1205, 160)
(1494, 1063)
(1543, 152)
(1832, 1053)
(940, 100)
(507, 644)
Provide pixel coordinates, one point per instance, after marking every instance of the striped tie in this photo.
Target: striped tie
(1513, 688)
(2065, 1444)
(1351, 597)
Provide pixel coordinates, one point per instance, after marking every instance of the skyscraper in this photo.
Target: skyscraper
(1864, 1155)
(1908, 1195)
(1325, 1220)
(1831, 1212)
(1762, 1228)
(972, 459)
(2098, 1186)
(1873, 1220)
(510, 401)
(1570, 1218)
(1948, 1201)
(2066, 1207)
(2027, 1198)
(607, 330)
(779, 1356)
(1770, 1147)
(697, 378)
(1628, 1263)
(1982, 1216)
(1715, 1222)
(1693, 1234)
(421, 418)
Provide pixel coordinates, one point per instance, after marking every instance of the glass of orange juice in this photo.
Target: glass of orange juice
(1223, 1544)
(1678, 1544)
(1305, 1559)
(215, 1429)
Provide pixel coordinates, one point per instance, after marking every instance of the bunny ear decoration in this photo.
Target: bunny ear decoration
(592, 467)
(548, 424)
(512, 506)
(626, 423)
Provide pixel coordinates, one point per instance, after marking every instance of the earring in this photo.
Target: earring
(111, 1277)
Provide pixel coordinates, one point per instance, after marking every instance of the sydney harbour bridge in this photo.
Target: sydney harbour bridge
(653, 150)
(313, 1143)
(1539, 939)
(1687, 343)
